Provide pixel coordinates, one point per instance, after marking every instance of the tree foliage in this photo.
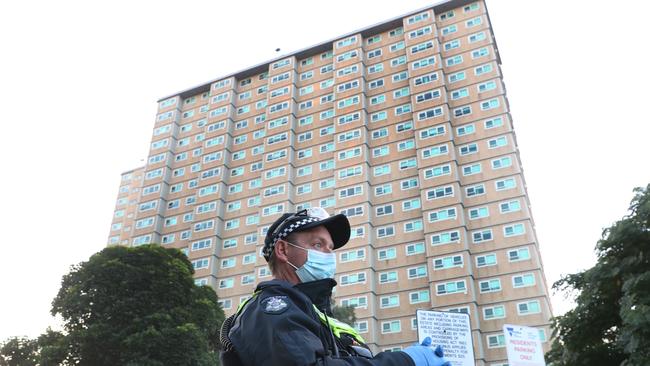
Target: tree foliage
(136, 306)
(610, 324)
(49, 349)
(19, 351)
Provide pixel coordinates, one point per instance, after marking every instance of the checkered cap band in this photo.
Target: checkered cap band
(285, 232)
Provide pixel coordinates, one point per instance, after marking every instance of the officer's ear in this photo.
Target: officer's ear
(281, 251)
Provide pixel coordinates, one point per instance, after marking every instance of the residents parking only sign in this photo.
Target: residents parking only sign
(523, 346)
(452, 331)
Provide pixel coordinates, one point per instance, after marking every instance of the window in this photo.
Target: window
(226, 283)
(445, 238)
(378, 99)
(383, 189)
(385, 254)
(437, 171)
(421, 47)
(481, 52)
(350, 279)
(349, 118)
(385, 231)
(228, 263)
(411, 226)
(356, 302)
(248, 279)
(472, 169)
(350, 135)
(483, 69)
(415, 248)
(407, 164)
(229, 243)
(376, 84)
(303, 171)
(451, 45)
(475, 190)
(384, 210)
(513, 230)
(530, 307)
(409, 183)
(231, 224)
(448, 262)
(447, 15)
(501, 163)
(390, 301)
(350, 172)
(451, 288)
(417, 272)
(444, 214)
(449, 30)
(440, 192)
(473, 22)
(518, 254)
(481, 236)
(490, 85)
(387, 277)
(486, 260)
(425, 79)
(496, 341)
(478, 213)
(394, 326)
(406, 145)
(411, 204)
(497, 142)
(352, 255)
(430, 113)
(201, 263)
(524, 280)
(494, 312)
(510, 206)
(488, 286)
(381, 170)
(401, 60)
(419, 297)
(493, 123)
(374, 53)
(380, 151)
(352, 191)
(505, 184)
(435, 151)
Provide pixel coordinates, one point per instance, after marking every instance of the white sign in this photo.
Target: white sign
(523, 345)
(452, 331)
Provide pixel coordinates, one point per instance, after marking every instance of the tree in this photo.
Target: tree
(136, 306)
(344, 314)
(52, 348)
(610, 324)
(19, 351)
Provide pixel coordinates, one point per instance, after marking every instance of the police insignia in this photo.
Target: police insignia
(275, 304)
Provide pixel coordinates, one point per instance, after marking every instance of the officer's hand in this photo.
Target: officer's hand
(423, 355)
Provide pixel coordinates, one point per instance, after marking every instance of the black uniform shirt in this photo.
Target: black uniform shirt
(279, 326)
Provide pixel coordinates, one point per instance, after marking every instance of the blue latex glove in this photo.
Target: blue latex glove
(423, 355)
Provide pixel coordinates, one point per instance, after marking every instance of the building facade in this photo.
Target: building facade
(405, 128)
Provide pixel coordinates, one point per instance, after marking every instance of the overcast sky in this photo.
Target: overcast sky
(79, 82)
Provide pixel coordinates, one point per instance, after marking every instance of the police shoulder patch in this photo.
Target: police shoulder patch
(275, 304)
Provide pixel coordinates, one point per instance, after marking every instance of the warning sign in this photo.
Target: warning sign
(523, 346)
(452, 331)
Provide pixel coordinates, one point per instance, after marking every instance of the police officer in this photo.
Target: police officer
(288, 320)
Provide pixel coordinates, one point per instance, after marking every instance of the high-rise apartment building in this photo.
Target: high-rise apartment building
(404, 127)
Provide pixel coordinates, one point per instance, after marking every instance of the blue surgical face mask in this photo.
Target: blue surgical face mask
(318, 266)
